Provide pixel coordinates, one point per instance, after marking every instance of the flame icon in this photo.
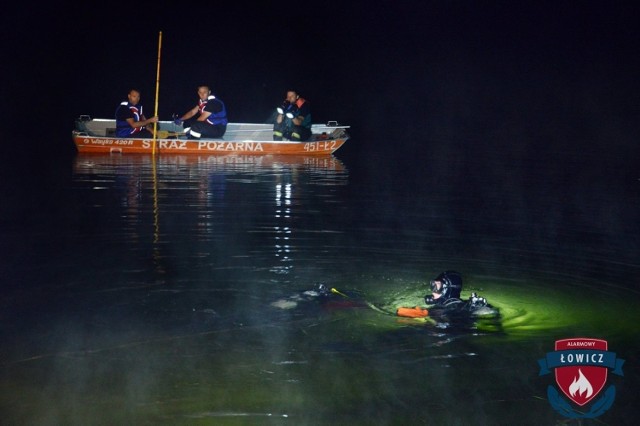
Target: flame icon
(581, 385)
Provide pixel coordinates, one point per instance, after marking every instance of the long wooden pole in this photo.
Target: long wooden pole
(155, 114)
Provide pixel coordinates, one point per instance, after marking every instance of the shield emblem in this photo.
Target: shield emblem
(580, 383)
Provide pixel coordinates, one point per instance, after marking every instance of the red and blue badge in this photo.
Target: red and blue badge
(581, 367)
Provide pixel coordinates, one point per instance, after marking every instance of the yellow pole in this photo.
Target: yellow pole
(156, 222)
(155, 114)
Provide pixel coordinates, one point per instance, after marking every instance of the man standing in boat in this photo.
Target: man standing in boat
(130, 120)
(293, 121)
(208, 119)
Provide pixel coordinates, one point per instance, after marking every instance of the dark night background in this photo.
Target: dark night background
(497, 80)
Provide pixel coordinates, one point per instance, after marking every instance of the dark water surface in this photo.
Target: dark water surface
(141, 292)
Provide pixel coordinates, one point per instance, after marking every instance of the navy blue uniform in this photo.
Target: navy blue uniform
(123, 129)
(214, 126)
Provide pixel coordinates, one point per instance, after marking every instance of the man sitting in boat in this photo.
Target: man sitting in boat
(293, 121)
(208, 119)
(130, 120)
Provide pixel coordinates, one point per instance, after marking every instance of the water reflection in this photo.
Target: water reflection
(283, 232)
(279, 224)
(155, 299)
(203, 198)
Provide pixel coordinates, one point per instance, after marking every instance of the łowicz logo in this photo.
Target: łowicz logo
(581, 366)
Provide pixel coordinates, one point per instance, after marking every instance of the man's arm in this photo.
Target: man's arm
(204, 115)
(301, 114)
(211, 107)
(187, 115)
(141, 123)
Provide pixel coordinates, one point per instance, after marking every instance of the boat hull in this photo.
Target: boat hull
(98, 136)
(100, 144)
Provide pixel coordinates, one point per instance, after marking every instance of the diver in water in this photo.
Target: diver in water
(327, 297)
(445, 305)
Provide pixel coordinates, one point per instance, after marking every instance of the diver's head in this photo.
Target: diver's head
(445, 286)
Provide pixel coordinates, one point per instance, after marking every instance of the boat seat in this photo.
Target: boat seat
(81, 126)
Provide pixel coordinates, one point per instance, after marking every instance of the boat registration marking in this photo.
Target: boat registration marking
(320, 146)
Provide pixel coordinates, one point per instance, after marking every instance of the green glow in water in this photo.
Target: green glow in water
(530, 308)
